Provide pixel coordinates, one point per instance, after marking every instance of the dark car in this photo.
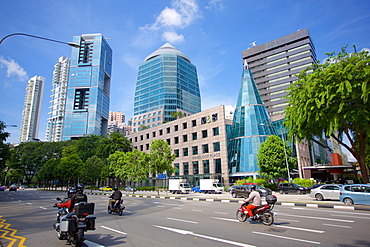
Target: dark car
(286, 188)
(129, 189)
(2, 188)
(13, 188)
(244, 190)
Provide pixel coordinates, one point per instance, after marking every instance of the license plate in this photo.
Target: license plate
(81, 225)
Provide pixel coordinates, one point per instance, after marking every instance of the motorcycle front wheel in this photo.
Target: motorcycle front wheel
(241, 216)
(120, 211)
(267, 218)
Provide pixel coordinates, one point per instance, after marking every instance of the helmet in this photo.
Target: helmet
(80, 187)
(253, 187)
(71, 191)
(115, 188)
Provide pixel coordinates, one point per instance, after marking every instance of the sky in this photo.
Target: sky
(212, 33)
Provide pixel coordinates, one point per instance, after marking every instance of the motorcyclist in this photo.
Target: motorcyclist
(116, 196)
(76, 198)
(255, 197)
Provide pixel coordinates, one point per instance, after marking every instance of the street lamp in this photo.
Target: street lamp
(285, 154)
(38, 37)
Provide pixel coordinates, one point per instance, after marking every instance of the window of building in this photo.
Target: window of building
(218, 165)
(194, 123)
(206, 166)
(195, 136)
(216, 146)
(160, 132)
(176, 152)
(186, 168)
(176, 140)
(185, 138)
(216, 131)
(135, 138)
(159, 119)
(185, 151)
(195, 150)
(168, 130)
(168, 141)
(184, 125)
(204, 133)
(147, 146)
(176, 127)
(214, 117)
(153, 134)
(144, 122)
(205, 148)
(141, 148)
(195, 167)
(177, 171)
(141, 137)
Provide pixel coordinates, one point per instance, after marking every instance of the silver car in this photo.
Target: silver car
(326, 192)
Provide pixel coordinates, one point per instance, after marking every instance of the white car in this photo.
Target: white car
(326, 192)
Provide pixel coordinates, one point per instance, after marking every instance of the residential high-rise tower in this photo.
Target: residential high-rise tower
(167, 80)
(58, 95)
(32, 109)
(88, 92)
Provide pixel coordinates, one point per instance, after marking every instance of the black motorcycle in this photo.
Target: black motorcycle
(73, 227)
(115, 206)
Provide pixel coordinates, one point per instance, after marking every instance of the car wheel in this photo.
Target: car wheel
(319, 197)
(348, 201)
(233, 195)
(281, 191)
(299, 192)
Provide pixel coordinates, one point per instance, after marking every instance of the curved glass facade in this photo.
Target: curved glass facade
(251, 126)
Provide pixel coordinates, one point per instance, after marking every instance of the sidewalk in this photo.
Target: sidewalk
(282, 199)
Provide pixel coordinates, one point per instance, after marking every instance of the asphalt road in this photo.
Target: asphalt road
(26, 219)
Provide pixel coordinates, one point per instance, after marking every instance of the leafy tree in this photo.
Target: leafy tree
(271, 158)
(132, 166)
(70, 166)
(4, 150)
(87, 145)
(177, 114)
(143, 127)
(92, 168)
(112, 143)
(47, 173)
(334, 98)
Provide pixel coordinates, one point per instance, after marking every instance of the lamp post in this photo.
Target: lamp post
(38, 37)
(285, 154)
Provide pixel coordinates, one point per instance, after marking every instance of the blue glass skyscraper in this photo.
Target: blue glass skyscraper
(251, 126)
(167, 79)
(87, 104)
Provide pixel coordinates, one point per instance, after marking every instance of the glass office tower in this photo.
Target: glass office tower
(167, 79)
(87, 105)
(251, 126)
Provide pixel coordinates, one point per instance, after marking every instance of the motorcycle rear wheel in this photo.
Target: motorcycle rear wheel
(267, 218)
(109, 211)
(241, 216)
(120, 211)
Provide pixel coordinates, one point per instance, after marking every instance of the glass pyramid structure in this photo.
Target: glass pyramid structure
(251, 126)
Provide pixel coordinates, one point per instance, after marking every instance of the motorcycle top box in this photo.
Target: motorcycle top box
(271, 199)
(84, 208)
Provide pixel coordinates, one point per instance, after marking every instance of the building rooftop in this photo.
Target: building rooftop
(166, 49)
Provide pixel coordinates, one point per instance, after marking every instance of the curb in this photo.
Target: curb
(290, 204)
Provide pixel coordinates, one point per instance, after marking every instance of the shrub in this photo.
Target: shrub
(303, 182)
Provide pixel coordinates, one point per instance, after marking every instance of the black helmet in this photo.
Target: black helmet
(71, 191)
(115, 188)
(253, 187)
(80, 187)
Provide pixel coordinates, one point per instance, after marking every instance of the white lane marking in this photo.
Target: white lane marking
(43, 208)
(300, 229)
(177, 208)
(186, 221)
(336, 225)
(332, 211)
(184, 232)
(92, 244)
(168, 204)
(316, 218)
(20, 200)
(113, 230)
(295, 239)
(350, 216)
(289, 220)
(29, 203)
(232, 220)
(197, 210)
(221, 213)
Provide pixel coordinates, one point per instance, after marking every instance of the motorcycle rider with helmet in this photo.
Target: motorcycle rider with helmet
(255, 197)
(76, 198)
(116, 196)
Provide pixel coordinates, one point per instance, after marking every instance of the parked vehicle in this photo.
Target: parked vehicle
(13, 188)
(196, 189)
(117, 208)
(2, 188)
(326, 192)
(73, 228)
(231, 189)
(314, 186)
(211, 186)
(244, 190)
(105, 188)
(355, 194)
(262, 214)
(178, 186)
(286, 188)
(129, 189)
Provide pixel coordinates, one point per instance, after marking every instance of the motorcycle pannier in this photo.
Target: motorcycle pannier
(84, 208)
(271, 199)
(90, 223)
(68, 225)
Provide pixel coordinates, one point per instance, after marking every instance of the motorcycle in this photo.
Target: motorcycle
(118, 206)
(262, 213)
(73, 228)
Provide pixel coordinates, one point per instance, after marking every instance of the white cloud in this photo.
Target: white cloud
(180, 15)
(13, 69)
(173, 37)
(216, 5)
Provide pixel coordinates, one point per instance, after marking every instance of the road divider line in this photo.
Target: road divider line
(289, 238)
(336, 225)
(186, 221)
(43, 208)
(92, 244)
(113, 230)
(300, 229)
(316, 218)
(226, 219)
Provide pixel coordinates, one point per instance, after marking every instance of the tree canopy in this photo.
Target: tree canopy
(333, 98)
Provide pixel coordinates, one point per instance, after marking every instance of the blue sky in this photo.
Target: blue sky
(212, 33)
